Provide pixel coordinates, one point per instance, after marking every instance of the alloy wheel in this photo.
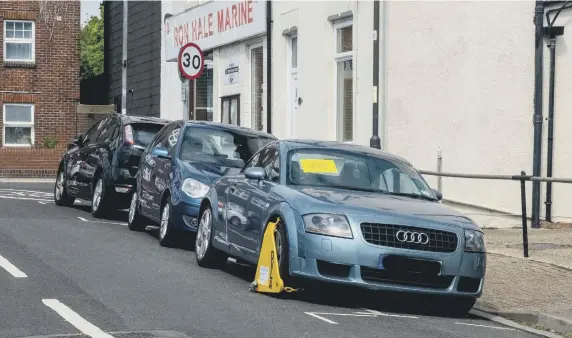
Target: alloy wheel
(204, 234)
(97, 195)
(60, 186)
(133, 207)
(164, 221)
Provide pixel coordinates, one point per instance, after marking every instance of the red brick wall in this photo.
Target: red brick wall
(51, 84)
(16, 162)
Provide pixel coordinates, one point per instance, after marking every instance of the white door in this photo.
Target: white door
(293, 104)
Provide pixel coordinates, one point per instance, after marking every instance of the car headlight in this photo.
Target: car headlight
(474, 241)
(328, 224)
(194, 188)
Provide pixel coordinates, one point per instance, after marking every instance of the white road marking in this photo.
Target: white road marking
(377, 313)
(24, 198)
(320, 317)
(366, 313)
(20, 190)
(50, 202)
(86, 220)
(487, 326)
(13, 270)
(76, 320)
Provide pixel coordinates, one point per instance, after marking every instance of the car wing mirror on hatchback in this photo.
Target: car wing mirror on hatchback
(161, 152)
(438, 194)
(76, 142)
(255, 173)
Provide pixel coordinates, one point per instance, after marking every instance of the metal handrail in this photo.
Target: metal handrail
(523, 178)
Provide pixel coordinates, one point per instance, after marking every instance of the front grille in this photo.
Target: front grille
(385, 235)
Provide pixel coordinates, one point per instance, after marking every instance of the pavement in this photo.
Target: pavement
(66, 274)
(536, 289)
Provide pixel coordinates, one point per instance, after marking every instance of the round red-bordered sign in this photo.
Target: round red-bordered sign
(191, 61)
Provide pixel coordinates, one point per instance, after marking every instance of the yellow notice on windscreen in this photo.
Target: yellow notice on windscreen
(318, 166)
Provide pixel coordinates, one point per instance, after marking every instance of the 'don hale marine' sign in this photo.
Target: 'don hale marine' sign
(214, 24)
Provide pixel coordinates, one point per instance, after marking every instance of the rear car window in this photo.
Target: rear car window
(143, 133)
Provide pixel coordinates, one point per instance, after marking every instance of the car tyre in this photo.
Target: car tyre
(206, 254)
(166, 231)
(456, 307)
(135, 221)
(99, 200)
(283, 252)
(61, 196)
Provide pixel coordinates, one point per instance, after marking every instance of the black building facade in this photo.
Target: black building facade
(143, 62)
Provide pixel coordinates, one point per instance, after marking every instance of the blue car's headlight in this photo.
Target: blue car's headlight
(474, 241)
(194, 188)
(328, 224)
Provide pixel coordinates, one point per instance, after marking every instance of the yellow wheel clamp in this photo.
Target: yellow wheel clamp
(267, 278)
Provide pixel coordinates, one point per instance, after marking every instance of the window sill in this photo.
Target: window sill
(16, 146)
(19, 64)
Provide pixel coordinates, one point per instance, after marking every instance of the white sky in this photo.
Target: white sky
(89, 8)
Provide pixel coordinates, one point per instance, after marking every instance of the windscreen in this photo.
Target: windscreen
(218, 146)
(345, 170)
(143, 133)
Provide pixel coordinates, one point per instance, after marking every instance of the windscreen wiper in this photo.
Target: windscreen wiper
(417, 196)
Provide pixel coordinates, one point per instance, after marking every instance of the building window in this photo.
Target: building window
(344, 82)
(18, 125)
(19, 41)
(231, 109)
(204, 91)
(293, 84)
(257, 86)
(294, 52)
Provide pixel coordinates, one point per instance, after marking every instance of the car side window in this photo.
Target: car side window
(271, 163)
(108, 131)
(91, 135)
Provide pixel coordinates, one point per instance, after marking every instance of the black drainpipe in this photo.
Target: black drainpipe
(537, 152)
(375, 141)
(551, 32)
(269, 66)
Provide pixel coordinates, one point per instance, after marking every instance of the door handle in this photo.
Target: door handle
(232, 188)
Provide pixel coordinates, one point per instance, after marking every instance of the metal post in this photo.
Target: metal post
(375, 141)
(537, 150)
(124, 60)
(269, 66)
(523, 202)
(439, 170)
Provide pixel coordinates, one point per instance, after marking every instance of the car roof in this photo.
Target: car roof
(342, 146)
(232, 127)
(127, 119)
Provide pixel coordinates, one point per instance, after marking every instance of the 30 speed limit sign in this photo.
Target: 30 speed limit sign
(191, 61)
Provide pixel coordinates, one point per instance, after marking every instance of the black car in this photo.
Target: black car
(101, 164)
(179, 167)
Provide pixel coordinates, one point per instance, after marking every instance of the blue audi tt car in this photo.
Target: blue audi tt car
(346, 214)
(178, 168)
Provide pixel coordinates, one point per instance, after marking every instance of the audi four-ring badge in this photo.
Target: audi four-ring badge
(345, 214)
(412, 237)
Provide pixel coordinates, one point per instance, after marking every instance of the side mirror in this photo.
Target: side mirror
(76, 142)
(255, 173)
(438, 194)
(160, 152)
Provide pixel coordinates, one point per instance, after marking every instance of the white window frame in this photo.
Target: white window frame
(22, 40)
(250, 80)
(18, 124)
(291, 71)
(341, 57)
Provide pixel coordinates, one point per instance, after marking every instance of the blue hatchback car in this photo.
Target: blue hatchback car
(178, 168)
(347, 214)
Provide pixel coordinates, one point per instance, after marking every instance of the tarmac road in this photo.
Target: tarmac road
(65, 274)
